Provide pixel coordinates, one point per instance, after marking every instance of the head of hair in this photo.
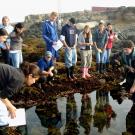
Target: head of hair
(3, 32)
(109, 24)
(72, 20)
(18, 26)
(101, 23)
(127, 44)
(54, 14)
(30, 69)
(4, 17)
(86, 35)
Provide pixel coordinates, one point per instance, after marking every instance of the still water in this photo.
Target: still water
(95, 113)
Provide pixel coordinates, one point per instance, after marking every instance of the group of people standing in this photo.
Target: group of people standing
(15, 73)
(26, 73)
(101, 40)
(11, 47)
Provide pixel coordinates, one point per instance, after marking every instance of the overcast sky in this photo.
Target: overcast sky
(18, 9)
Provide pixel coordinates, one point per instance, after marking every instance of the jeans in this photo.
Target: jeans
(101, 57)
(108, 53)
(70, 57)
(16, 58)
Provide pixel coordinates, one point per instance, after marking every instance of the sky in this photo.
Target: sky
(16, 10)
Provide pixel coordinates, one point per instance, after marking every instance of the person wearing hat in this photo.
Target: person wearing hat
(47, 69)
(69, 39)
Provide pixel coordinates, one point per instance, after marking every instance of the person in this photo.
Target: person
(126, 60)
(69, 39)
(3, 37)
(85, 43)
(6, 24)
(100, 39)
(71, 116)
(47, 68)
(85, 118)
(12, 80)
(50, 116)
(15, 52)
(9, 28)
(111, 38)
(49, 33)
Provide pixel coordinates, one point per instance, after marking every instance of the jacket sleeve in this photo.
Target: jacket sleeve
(45, 33)
(11, 88)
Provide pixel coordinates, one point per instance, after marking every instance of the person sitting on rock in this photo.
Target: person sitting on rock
(46, 66)
(127, 62)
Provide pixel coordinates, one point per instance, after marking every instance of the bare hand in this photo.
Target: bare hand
(12, 111)
(132, 90)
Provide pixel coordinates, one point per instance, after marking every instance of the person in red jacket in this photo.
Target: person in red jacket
(111, 38)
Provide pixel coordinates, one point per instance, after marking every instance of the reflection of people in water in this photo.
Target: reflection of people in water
(22, 130)
(71, 127)
(130, 121)
(50, 117)
(86, 111)
(116, 95)
(103, 111)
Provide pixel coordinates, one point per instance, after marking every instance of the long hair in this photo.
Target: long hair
(18, 26)
(86, 35)
(30, 68)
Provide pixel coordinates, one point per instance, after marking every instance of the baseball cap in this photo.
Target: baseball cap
(48, 53)
(72, 20)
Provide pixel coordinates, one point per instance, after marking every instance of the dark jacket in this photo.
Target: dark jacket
(11, 79)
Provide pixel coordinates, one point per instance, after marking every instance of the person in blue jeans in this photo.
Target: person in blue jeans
(49, 33)
(47, 69)
(100, 39)
(16, 43)
(9, 28)
(69, 40)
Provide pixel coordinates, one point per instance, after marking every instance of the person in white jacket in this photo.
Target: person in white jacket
(85, 43)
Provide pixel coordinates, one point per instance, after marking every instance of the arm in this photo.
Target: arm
(132, 89)
(8, 92)
(62, 37)
(106, 40)
(46, 32)
(51, 68)
(10, 107)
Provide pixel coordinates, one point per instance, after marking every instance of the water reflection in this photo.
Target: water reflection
(50, 117)
(71, 117)
(103, 111)
(86, 113)
(130, 120)
(81, 114)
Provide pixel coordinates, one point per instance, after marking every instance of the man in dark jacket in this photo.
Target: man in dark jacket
(126, 59)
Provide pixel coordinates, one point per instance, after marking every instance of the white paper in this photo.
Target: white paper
(58, 45)
(122, 82)
(20, 118)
